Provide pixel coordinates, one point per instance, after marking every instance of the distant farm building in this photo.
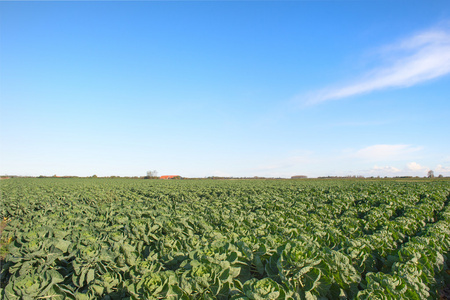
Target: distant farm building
(170, 177)
(299, 177)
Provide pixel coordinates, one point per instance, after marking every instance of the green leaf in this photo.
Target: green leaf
(312, 279)
(62, 245)
(98, 289)
(90, 275)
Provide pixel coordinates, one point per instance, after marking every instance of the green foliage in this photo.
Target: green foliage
(132, 239)
(34, 285)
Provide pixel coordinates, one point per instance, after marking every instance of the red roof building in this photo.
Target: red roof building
(170, 177)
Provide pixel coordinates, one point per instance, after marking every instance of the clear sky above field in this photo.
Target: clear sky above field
(254, 88)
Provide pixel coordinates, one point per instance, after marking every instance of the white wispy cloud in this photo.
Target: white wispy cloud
(410, 169)
(413, 166)
(385, 152)
(442, 169)
(385, 169)
(416, 59)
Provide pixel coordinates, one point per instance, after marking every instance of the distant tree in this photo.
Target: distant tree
(440, 176)
(94, 176)
(430, 174)
(153, 173)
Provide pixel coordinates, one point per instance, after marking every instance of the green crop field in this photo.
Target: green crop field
(224, 239)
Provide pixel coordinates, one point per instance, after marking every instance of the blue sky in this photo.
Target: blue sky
(230, 88)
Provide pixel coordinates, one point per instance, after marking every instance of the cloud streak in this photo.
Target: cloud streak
(441, 169)
(411, 169)
(413, 166)
(385, 152)
(419, 58)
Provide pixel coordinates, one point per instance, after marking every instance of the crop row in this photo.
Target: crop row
(116, 239)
